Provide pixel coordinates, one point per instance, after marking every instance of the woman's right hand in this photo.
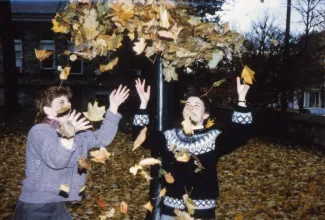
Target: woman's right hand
(144, 95)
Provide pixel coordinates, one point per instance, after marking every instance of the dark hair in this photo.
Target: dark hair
(46, 97)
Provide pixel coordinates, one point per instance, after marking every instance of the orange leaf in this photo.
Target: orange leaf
(248, 75)
(169, 178)
(140, 139)
(124, 207)
(210, 123)
(101, 203)
(65, 73)
(148, 206)
(43, 54)
(162, 192)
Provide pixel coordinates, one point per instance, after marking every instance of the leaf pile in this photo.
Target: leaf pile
(261, 180)
(165, 28)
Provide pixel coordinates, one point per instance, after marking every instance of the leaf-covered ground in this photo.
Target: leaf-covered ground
(262, 180)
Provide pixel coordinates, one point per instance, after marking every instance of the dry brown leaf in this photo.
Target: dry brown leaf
(94, 112)
(140, 139)
(59, 27)
(84, 164)
(182, 155)
(109, 66)
(209, 123)
(149, 162)
(64, 109)
(135, 168)
(64, 188)
(190, 205)
(148, 206)
(124, 207)
(140, 46)
(239, 216)
(65, 73)
(162, 192)
(169, 178)
(170, 73)
(164, 17)
(43, 54)
(248, 75)
(100, 156)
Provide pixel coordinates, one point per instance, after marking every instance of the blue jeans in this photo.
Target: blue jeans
(41, 211)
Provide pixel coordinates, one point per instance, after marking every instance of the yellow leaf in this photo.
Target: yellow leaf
(114, 42)
(172, 34)
(239, 216)
(149, 162)
(148, 206)
(135, 168)
(182, 155)
(210, 123)
(183, 101)
(88, 33)
(217, 56)
(248, 75)
(131, 36)
(162, 192)
(94, 112)
(170, 73)
(140, 139)
(146, 175)
(169, 178)
(187, 126)
(140, 46)
(152, 23)
(82, 189)
(64, 109)
(164, 18)
(43, 54)
(66, 52)
(65, 73)
(83, 164)
(64, 188)
(73, 57)
(218, 83)
(100, 156)
(194, 21)
(90, 20)
(109, 66)
(59, 27)
(124, 207)
(190, 205)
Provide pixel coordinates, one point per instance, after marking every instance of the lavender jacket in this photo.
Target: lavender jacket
(49, 164)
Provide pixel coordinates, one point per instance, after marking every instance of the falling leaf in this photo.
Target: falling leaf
(131, 36)
(94, 112)
(43, 54)
(64, 109)
(194, 21)
(82, 189)
(187, 126)
(146, 175)
(59, 27)
(88, 33)
(164, 17)
(73, 57)
(84, 164)
(182, 155)
(148, 206)
(162, 192)
(239, 216)
(135, 168)
(172, 148)
(183, 101)
(66, 52)
(198, 164)
(141, 138)
(190, 205)
(101, 155)
(169, 178)
(109, 66)
(90, 20)
(101, 203)
(217, 56)
(149, 162)
(65, 73)
(139, 46)
(124, 207)
(150, 51)
(170, 73)
(248, 75)
(209, 123)
(218, 83)
(60, 68)
(64, 188)
(182, 215)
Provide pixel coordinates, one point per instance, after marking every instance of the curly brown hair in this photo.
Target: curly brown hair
(46, 97)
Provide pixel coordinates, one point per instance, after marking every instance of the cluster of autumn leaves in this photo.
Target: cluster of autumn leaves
(160, 27)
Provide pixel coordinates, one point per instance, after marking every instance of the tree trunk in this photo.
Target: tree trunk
(9, 62)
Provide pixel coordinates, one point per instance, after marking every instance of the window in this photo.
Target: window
(48, 45)
(314, 99)
(19, 55)
(77, 65)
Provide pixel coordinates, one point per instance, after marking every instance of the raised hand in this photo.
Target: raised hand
(117, 97)
(80, 124)
(242, 90)
(143, 94)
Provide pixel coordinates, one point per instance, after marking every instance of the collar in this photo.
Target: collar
(52, 122)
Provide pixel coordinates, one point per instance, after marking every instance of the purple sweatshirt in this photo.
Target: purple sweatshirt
(49, 164)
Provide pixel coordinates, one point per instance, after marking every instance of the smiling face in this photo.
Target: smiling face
(195, 110)
(57, 103)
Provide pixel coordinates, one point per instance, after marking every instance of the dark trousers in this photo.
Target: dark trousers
(41, 211)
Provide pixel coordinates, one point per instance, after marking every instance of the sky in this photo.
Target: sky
(241, 13)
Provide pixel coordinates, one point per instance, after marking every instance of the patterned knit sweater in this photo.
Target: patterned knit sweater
(207, 145)
(49, 164)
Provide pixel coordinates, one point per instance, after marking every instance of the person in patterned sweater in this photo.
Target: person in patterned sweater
(205, 145)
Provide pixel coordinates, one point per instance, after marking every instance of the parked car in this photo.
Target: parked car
(316, 111)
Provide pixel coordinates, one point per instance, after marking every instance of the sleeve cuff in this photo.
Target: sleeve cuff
(115, 118)
(242, 117)
(141, 118)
